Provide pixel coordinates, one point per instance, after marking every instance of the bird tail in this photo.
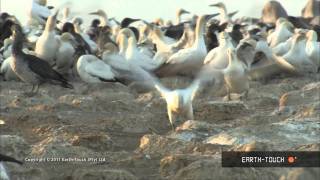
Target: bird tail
(66, 84)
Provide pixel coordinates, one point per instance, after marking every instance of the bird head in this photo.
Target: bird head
(182, 11)
(99, 12)
(219, 5)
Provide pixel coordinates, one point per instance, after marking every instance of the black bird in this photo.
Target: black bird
(93, 31)
(31, 69)
(210, 36)
(236, 34)
(82, 46)
(5, 31)
(174, 31)
(127, 21)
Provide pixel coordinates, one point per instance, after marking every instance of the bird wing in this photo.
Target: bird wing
(43, 69)
(210, 56)
(100, 69)
(4, 158)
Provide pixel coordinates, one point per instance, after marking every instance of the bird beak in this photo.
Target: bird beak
(211, 16)
(94, 13)
(215, 5)
(184, 11)
(55, 14)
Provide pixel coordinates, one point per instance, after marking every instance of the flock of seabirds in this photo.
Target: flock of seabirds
(213, 50)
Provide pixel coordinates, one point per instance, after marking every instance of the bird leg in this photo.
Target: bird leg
(245, 95)
(229, 94)
(37, 89)
(190, 113)
(172, 118)
(29, 94)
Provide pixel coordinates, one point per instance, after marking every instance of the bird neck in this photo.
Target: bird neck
(223, 15)
(199, 39)
(17, 44)
(104, 20)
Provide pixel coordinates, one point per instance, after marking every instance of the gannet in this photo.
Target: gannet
(31, 69)
(313, 47)
(65, 17)
(104, 21)
(5, 31)
(283, 47)
(283, 31)
(187, 39)
(236, 34)
(127, 21)
(297, 55)
(6, 70)
(77, 22)
(93, 70)
(64, 57)
(48, 43)
(213, 28)
(93, 30)
(38, 13)
(179, 101)
(179, 13)
(273, 10)
(218, 58)
(3, 173)
(133, 54)
(224, 16)
(235, 75)
(82, 46)
(162, 42)
(266, 63)
(7, 48)
(188, 61)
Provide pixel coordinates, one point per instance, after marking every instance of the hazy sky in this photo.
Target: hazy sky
(151, 9)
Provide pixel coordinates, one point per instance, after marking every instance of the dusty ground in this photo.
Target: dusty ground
(130, 132)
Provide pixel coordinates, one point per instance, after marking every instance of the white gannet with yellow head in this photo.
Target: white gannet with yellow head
(188, 61)
(179, 13)
(65, 53)
(283, 31)
(104, 21)
(313, 47)
(218, 57)
(179, 101)
(298, 57)
(48, 43)
(93, 70)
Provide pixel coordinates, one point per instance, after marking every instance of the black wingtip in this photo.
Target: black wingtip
(5, 158)
(67, 85)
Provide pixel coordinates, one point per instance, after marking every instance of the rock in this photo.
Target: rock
(308, 96)
(155, 145)
(30, 173)
(100, 173)
(213, 111)
(302, 174)
(98, 142)
(222, 139)
(212, 169)
(14, 146)
(170, 165)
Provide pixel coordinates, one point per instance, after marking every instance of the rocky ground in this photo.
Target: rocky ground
(131, 135)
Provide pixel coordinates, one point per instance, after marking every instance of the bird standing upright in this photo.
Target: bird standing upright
(32, 69)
